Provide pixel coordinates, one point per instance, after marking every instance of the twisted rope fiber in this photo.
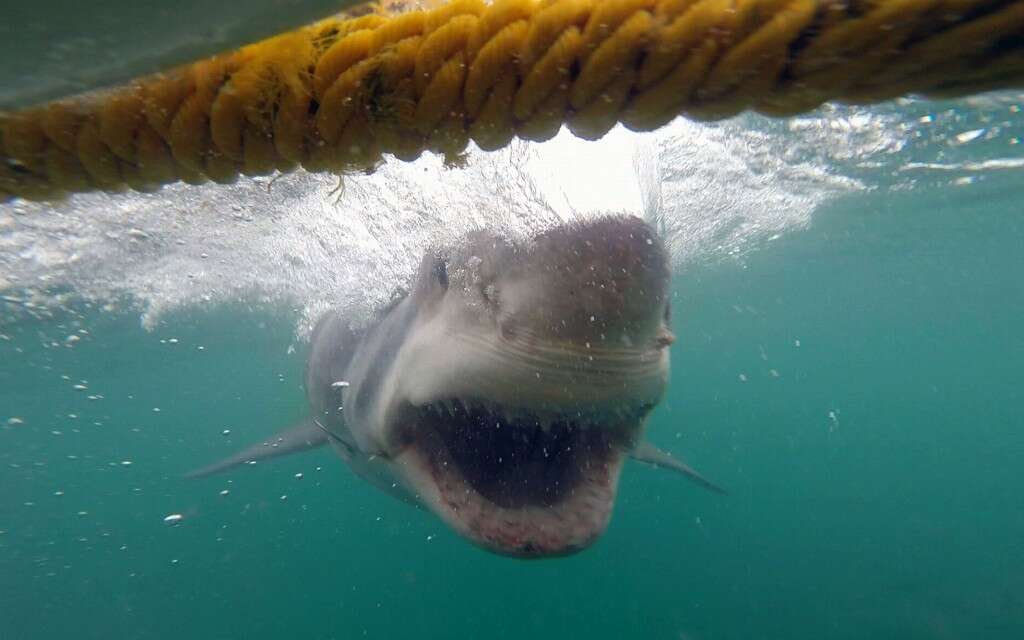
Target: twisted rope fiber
(337, 95)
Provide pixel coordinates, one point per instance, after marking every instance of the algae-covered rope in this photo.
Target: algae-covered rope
(339, 94)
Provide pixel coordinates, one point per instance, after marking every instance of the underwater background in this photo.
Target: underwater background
(848, 296)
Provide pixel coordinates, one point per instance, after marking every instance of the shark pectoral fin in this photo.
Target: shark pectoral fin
(301, 437)
(647, 452)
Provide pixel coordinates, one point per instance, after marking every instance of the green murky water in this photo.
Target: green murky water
(856, 386)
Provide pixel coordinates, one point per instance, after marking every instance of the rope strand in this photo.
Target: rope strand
(338, 95)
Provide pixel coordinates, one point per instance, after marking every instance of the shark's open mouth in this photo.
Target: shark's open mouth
(517, 482)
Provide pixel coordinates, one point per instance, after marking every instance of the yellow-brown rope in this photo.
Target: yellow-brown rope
(337, 95)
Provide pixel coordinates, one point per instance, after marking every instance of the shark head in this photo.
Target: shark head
(524, 377)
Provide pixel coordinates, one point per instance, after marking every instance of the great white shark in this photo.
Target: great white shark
(504, 391)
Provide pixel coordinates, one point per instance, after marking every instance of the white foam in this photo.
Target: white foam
(715, 191)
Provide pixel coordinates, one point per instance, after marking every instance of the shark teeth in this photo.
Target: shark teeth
(546, 419)
(545, 423)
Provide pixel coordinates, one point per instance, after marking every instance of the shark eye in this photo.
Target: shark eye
(441, 272)
(490, 293)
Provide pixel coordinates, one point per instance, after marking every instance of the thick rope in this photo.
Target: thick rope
(338, 95)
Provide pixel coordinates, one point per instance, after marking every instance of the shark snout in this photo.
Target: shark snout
(599, 284)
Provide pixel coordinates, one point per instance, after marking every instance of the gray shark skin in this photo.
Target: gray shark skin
(504, 391)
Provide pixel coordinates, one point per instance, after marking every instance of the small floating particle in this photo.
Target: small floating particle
(833, 417)
(29, 504)
(774, 373)
(174, 518)
(967, 136)
(80, 387)
(72, 339)
(430, 537)
(284, 498)
(73, 416)
(138, 234)
(156, 409)
(201, 348)
(83, 513)
(57, 433)
(172, 341)
(743, 377)
(796, 343)
(225, 432)
(15, 421)
(340, 384)
(58, 493)
(298, 476)
(126, 463)
(224, 492)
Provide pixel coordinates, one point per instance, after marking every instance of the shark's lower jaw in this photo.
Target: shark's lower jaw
(516, 482)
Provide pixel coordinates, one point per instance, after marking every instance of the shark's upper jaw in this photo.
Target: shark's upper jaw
(513, 481)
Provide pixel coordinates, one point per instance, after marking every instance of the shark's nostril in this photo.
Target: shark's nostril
(507, 329)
